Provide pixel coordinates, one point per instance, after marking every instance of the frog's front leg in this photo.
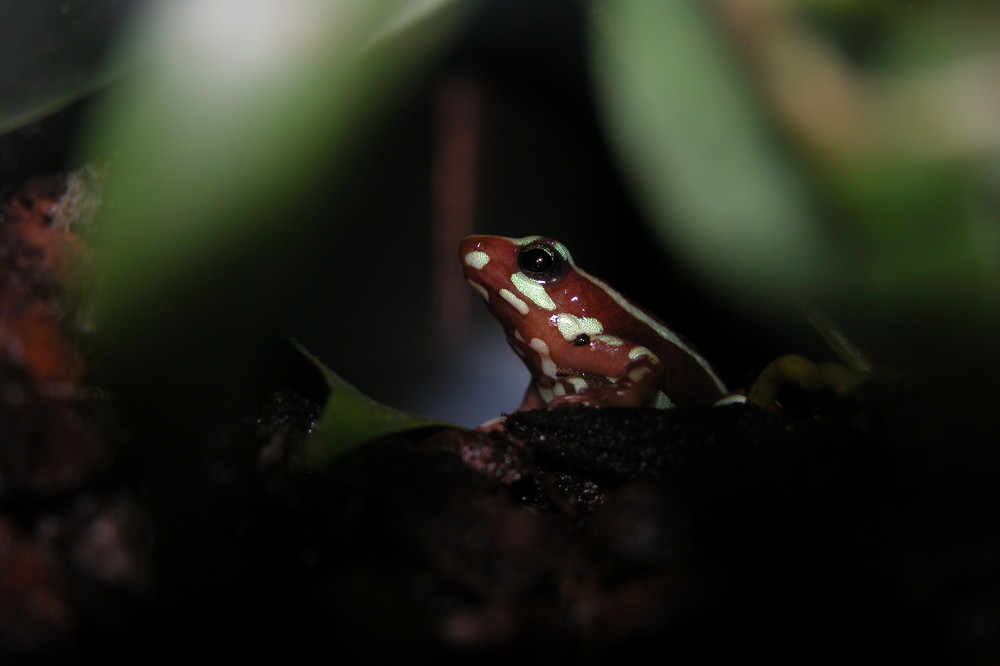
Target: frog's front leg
(638, 374)
(532, 399)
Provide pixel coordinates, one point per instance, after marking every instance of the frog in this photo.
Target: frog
(584, 343)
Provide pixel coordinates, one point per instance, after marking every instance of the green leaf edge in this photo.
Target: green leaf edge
(351, 418)
(53, 102)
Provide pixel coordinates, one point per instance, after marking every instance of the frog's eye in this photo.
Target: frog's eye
(541, 262)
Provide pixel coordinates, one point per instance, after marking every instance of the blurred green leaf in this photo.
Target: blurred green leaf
(53, 52)
(243, 109)
(240, 103)
(687, 129)
(779, 165)
(351, 418)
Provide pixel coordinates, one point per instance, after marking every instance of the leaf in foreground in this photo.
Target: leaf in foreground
(351, 418)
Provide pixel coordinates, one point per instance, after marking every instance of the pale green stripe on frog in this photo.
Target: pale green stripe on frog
(477, 259)
(533, 291)
(571, 326)
(519, 305)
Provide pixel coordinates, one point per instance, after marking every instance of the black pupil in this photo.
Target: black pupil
(538, 261)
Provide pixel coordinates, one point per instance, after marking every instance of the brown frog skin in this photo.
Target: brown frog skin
(583, 342)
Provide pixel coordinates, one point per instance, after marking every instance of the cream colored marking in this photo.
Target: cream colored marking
(639, 351)
(731, 400)
(579, 383)
(571, 326)
(517, 336)
(477, 259)
(542, 349)
(661, 401)
(559, 389)
(660, 329)
(611, 340)
(518, 304)
(639, 373)
(492, 423)
(533, 291)
(545, 393)
(539, 346)
(480, 289)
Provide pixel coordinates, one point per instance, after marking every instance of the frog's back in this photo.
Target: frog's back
(688, 379)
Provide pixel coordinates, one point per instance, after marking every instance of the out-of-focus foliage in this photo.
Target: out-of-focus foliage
(53, 52)
(839, 154)
(238, 105)
(698, 147)
(239, 108)
(350, 418)
(844, 154)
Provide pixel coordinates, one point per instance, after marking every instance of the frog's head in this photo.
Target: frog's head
(521, 279)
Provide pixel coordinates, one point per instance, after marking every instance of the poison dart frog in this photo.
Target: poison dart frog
(583, 342)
